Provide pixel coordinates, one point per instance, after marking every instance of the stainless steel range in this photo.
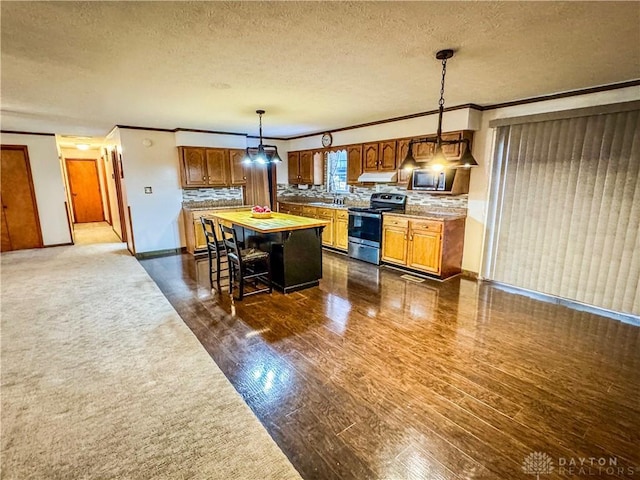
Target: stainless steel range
(365, 225)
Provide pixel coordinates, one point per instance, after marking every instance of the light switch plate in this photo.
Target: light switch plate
(147, 190)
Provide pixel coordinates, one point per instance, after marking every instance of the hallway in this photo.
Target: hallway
(94, 232)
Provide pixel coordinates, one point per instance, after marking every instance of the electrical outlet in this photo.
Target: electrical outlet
(147, 190)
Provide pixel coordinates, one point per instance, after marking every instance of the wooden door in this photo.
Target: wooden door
(238, 168)
(354, 163)
(370, 157)
(84, 183)
(20, 220)
(306, 167)
(194, 167)
(387, 156)
(4, 232)
(424, 250)
(394, 244)
(293, 160)
(217, 165)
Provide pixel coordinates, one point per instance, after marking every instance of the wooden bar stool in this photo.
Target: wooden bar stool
(245, 264)
(215, 250)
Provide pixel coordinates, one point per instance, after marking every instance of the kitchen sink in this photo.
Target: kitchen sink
(321, 204)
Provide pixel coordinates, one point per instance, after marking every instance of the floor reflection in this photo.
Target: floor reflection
(371, 375)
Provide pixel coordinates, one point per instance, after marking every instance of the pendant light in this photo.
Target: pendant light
(439, 160)
(262, 154)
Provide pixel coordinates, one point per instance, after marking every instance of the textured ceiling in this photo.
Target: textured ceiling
(80, 68)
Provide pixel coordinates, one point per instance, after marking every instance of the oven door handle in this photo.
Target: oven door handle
(364, 214)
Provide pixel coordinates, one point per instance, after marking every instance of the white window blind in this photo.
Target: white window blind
(566, 208)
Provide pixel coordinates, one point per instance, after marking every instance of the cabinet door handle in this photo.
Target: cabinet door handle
(411, 238)
(204, 178)
(208, 178)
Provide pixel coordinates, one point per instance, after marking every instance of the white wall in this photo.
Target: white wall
(482, 150)
(156, 217)
(48, 184)
(213, 140)
(461, 119)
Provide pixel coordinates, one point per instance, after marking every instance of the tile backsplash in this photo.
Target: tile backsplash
(211, 194)
(359, 196)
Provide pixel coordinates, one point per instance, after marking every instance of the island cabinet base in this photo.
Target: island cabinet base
(296, 256)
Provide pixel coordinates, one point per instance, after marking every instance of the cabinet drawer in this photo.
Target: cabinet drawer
(342, 214)
(428, 225)
(309, 211)
(395, 222)
(202, 213)
(326, 213)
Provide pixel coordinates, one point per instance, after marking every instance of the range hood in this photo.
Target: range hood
(378, 177)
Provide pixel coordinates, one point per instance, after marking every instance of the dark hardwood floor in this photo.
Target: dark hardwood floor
(373, 376)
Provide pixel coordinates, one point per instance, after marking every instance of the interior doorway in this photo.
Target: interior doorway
(84, 185)
(20, 221)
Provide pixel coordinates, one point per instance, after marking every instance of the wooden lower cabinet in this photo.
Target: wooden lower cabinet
(328, 214)
(395, 245)
(193, 226)
(424, 251)
(431, 246)
(335, 234)
(341, 235)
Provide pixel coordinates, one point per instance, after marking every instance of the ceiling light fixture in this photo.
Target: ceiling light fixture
(262, 154)
(82, 146)
(439, 160)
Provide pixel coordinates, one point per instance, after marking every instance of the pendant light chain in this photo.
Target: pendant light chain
(444, 72)
(439, 158)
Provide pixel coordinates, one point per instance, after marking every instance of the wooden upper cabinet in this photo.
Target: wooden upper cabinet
(306, 167)
(452, 151)
(294, 167)
(379, 156)
(212, 167)
(387, 156)
(217, 166)
(194, 166)
(238, 169)
(354, 163)
(402, 147)
(370, 157)
(423, 152)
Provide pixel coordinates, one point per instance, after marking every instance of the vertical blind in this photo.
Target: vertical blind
(566, 208)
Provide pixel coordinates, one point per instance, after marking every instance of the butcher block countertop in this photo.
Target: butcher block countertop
(279, 222)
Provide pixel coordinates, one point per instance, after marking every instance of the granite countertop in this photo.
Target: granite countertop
(413, 211)
(319, 204)
(426, 215)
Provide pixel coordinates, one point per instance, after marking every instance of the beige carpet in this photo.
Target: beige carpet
(94, 232)
(102, 380)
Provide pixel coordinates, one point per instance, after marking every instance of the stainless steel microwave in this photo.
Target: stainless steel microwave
(427, 179)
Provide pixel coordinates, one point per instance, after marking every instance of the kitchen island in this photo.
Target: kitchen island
(294, 244)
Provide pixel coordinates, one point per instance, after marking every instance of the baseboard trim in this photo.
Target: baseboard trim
(58, 245)
(161, 253)
(469, 274)
(573, 304)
